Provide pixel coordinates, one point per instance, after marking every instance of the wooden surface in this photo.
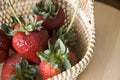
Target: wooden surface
(106, 61)
(113, 3)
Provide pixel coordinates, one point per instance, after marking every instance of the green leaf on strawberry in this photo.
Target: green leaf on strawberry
(58, 56)
(14, 20)
(28, 26)
(32, 24)
(67, 64)
(46, 8)
(67, 38)
(60, 45)
(24, 71)
(52, 13)
(5, 28)
(13, 77)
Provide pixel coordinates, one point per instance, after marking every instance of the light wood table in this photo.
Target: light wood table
(106, 61)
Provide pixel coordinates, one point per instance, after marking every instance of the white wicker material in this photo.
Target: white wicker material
(83, 26)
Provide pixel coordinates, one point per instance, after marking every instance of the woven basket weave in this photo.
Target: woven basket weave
(83, 27)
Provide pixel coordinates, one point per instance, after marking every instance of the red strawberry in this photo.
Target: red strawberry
(53, 40)
(73, 58)
(56, 22)
(3, 55)
(8, 70)
(53, 14)
(28, 45)
(16, 26)
(30, 38)
(54, 60)
(17, 68)
(4, 46)
(38, 18)
(47, 70)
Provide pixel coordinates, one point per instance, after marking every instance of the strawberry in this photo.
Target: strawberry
(73, 58)
(16, 26)
(67, 37)
(53, 14)
(4, 46)
(29, 38)
(72, 55)
(54, 60)
(28, 45)
(17, 68)
(53, 40)
(55, 23)
(7, 70)
(47, 70)
(38, 18)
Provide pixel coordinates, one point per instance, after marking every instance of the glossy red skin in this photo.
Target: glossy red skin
(38, 18)
(4, 46)
(28, 45)
(47, 71)
(72, 55)
(7, 70)
(16, 26)
(73, 58)
(55, 23)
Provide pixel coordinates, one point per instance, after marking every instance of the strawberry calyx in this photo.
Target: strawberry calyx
(30, 24)
(56, 55)
(24, 71)
(46, 8)
(67, 38)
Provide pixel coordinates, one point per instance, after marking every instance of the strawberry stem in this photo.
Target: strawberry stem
(73, 18)
(13, 11)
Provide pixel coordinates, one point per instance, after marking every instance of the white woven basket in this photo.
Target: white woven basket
(83, 27)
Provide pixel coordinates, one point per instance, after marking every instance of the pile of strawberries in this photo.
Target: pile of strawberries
(41, 47)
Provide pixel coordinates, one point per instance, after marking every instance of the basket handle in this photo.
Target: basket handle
(87, 7)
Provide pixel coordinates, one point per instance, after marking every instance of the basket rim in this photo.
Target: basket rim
(82, 64)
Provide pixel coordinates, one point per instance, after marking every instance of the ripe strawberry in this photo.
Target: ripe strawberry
(72, 55)
(16, 26)
(47, 70)
(73, 58)
(53, 40)
(30, 38)
(4, 46)
(8, 70)
(53, 14)
(17, 68)
(28, 45)
(38, 18)
(54, 23)
(54, 60)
